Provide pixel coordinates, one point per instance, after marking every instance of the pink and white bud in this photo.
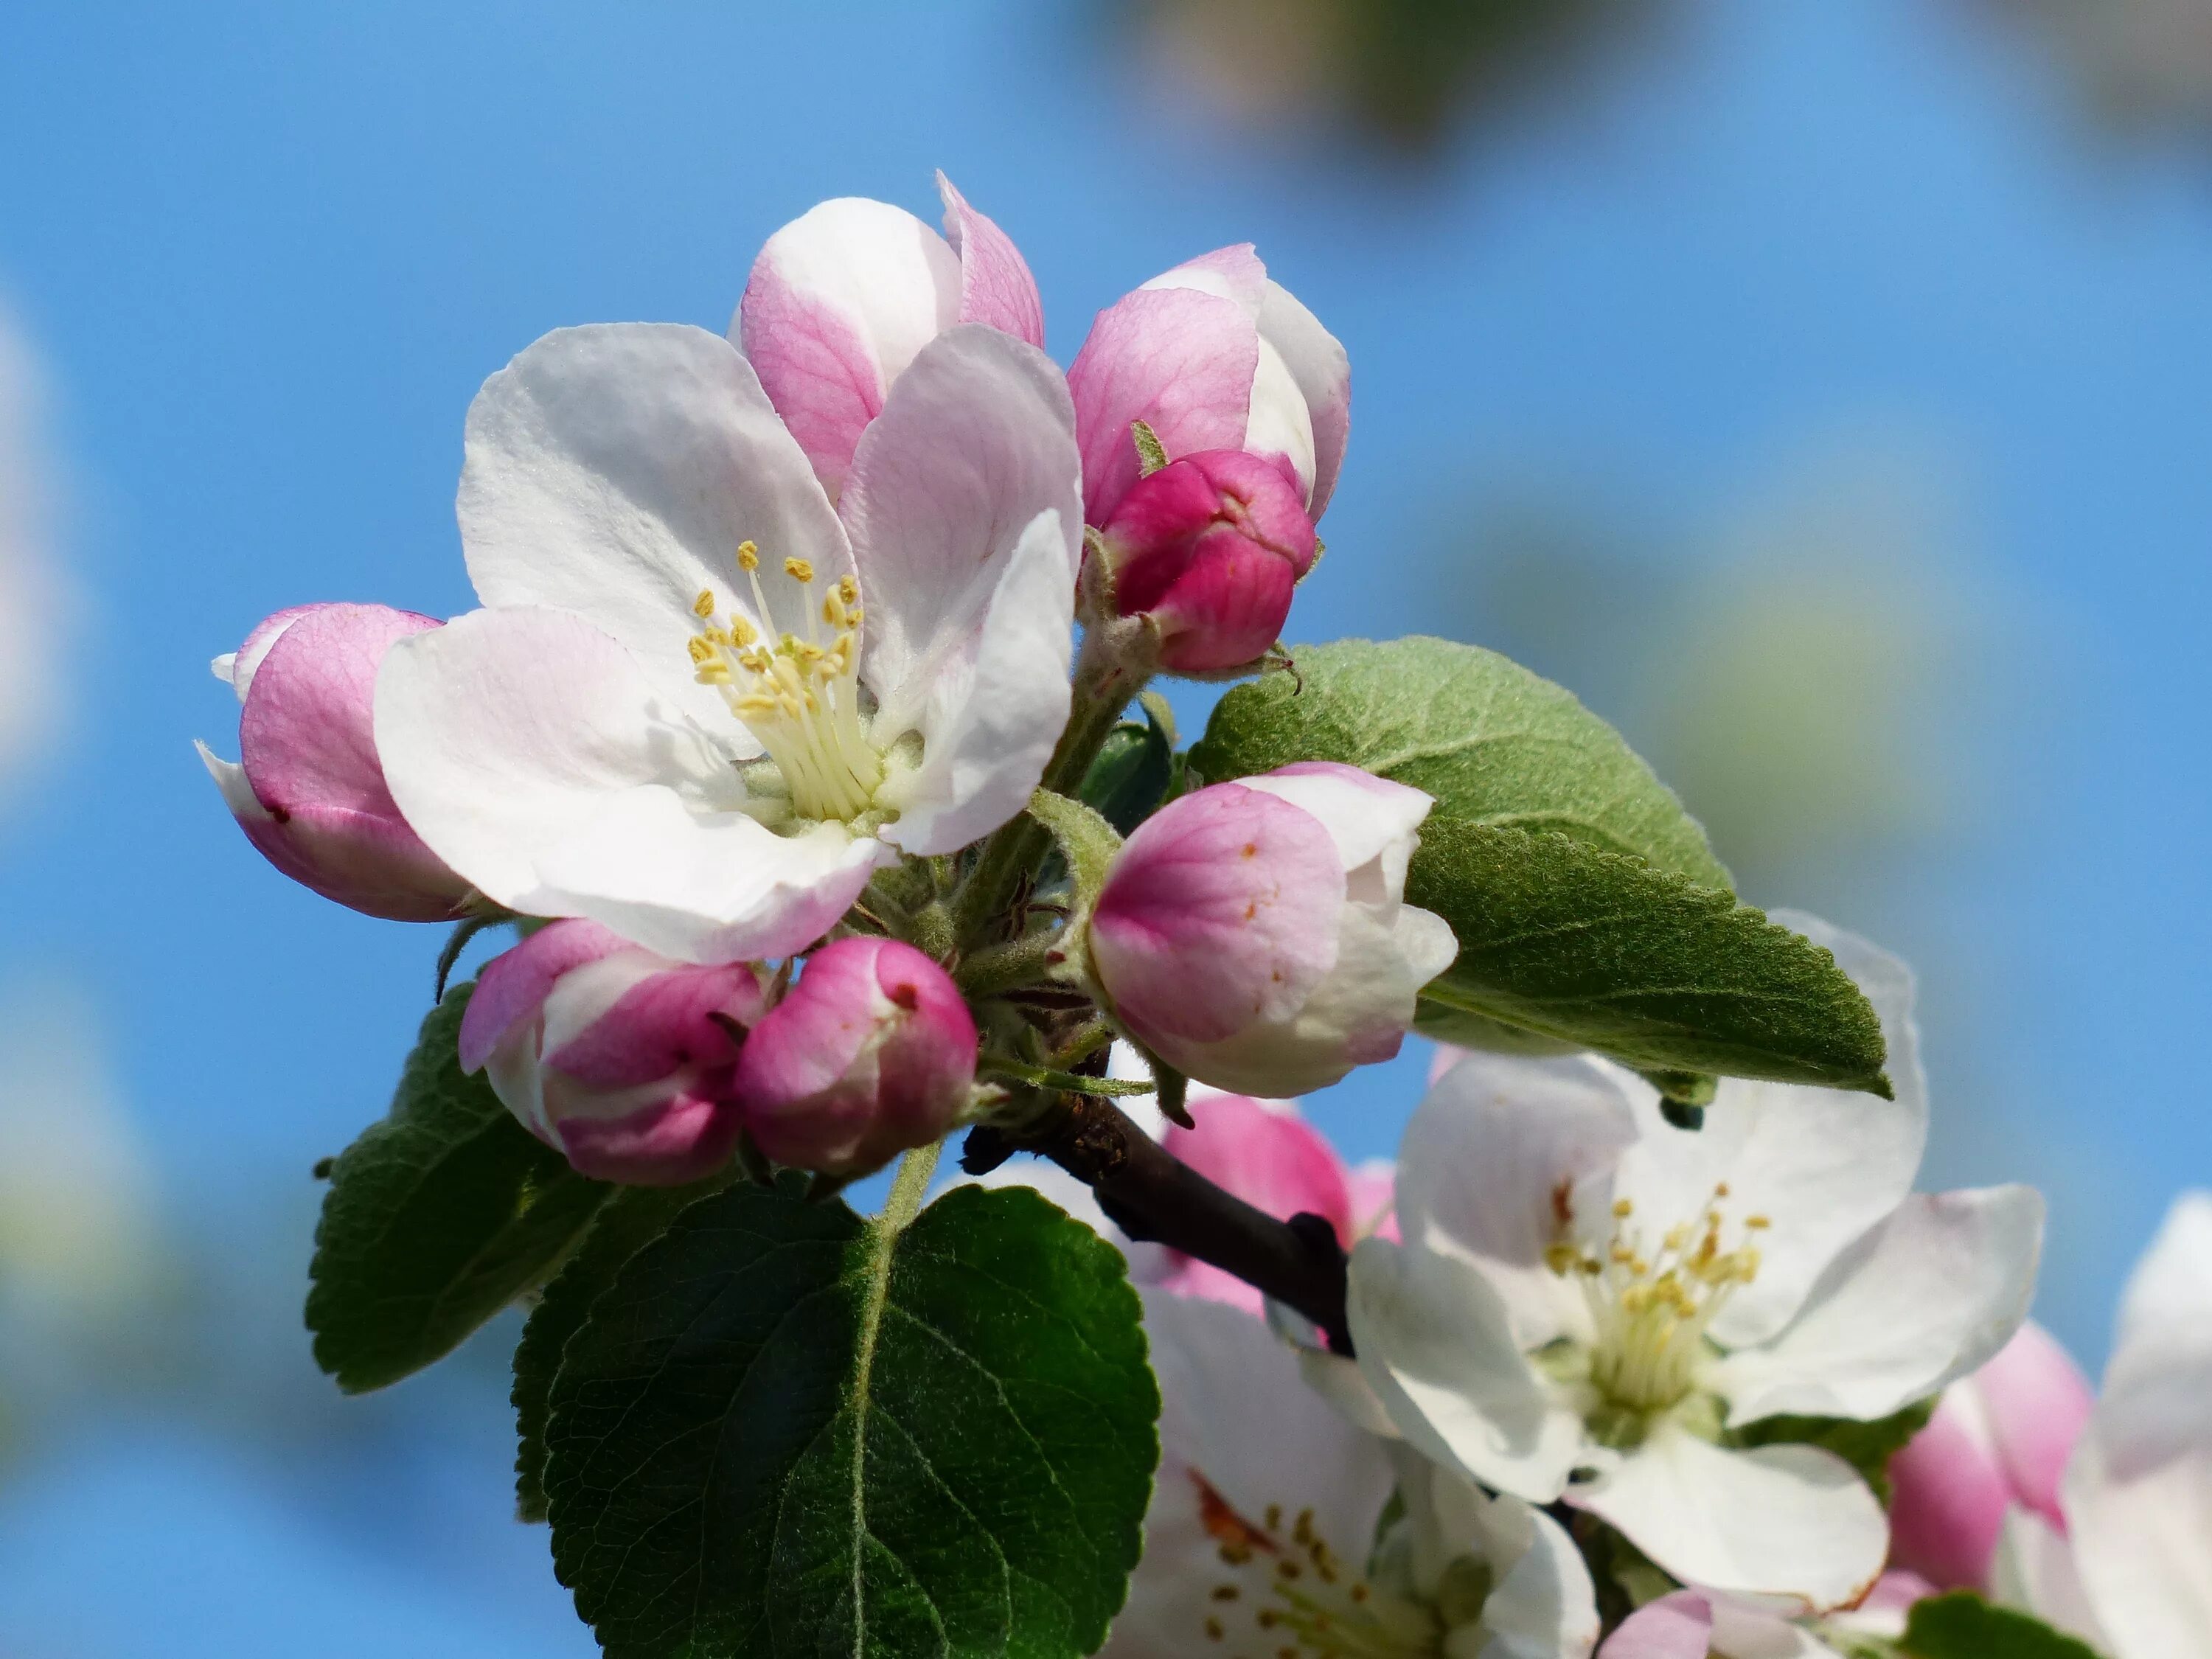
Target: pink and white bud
(1255, 935)
(872, 1052)
(623, 1060)
(1999, 1439)
(1213, 354)
(843, 298)
(308, 787)
(1210, 547)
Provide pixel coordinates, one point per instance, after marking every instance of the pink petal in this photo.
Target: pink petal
(2038, 1403)
(1949, 1503)
(1236, 272)
(816, 368)
(1273, 1160)
(246, 659)
(1220, 910)
(1177, 359)
(513, 985)
(663, 1025)
(995, 284)
(1677, 1626)
(668, 1143)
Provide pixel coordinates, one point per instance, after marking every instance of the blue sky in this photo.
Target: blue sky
(266, 253)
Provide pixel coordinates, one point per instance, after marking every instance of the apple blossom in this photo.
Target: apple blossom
(2138, 1494)
(1213, 354)
(619, 1058)
(1253, 934)
(1265, 1512)
(1209, 547)
(308, 787)
(671, 717)
(1999, 1438)
(872, 1052)
(1590, 1300)
(842, 299)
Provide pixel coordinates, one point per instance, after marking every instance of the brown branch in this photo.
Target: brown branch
(1153, 1196)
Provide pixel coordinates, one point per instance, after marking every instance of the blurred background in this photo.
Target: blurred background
(1820, 392)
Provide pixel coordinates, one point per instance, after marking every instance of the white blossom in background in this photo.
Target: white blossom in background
(30, 593)
(1589, 1301)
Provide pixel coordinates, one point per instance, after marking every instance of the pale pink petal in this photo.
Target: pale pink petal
(663, 1025)
(512, 988)
(1179, 360)
(1323, 373)
(1234, 272)
(236, 668)
(1221, 911)
(2037, 1402)
(1677, 1626)
(670, 1143)
(1950, 1500)
(995, 284)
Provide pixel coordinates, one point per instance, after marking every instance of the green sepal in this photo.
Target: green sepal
(436, 1217)
(1962, 1625)
(786, 1431)
(1134, 768)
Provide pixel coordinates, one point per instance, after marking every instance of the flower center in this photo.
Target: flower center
(1650, 1308)
(800, 697)
(1291, 1596)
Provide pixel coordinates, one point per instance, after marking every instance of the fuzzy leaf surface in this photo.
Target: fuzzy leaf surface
(1961, 1625)
(788, 1431)
(437, 1217)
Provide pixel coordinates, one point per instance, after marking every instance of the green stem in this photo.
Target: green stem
(909, 1187)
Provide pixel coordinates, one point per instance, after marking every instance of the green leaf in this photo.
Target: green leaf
(436, 1219)
(1132, 772)
(1866, 1446)
(1495, 745)
(1961, 1625)
(628, 1221)
(1595, 948)
(788, 1431)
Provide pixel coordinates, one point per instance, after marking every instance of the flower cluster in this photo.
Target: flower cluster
(821, 840)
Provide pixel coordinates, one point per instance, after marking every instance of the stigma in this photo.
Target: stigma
(1286, 1593)
(799, 694)
(1650, 1307)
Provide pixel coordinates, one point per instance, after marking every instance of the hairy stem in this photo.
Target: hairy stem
(1152, 1196)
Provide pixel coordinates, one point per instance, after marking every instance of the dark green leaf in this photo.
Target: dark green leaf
(625, 1224)
(1962, 1625)
(786, 1431)
(1132, 772)
(1866, 1447)
(437, 1218)
(1565, 940)
(1495, 745)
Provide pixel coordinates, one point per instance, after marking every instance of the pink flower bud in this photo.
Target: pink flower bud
(307, 788)
(1211, 546)
(1255, 935)
(622, 1059)
(1999, 1438)
(872, 1052)
(1213, 354)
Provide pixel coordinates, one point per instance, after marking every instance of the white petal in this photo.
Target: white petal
(1317, 363)
(613, 471)
(230, 778)
(1372, 820)
(1925, 1298)
(989, 730)
(975, 442)
(529, 751)
(1545, 1606)
(2143, 1543)
(2034, 1571)
(1280, 425)
(1823, 1164)
(1436, 1344)
(1787, 1521)
(884, 272)
(1506, 1156)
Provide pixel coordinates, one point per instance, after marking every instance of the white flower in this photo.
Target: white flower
(1588, 1300)
(1261, 1541)
(672, 717)
(2136, 1581)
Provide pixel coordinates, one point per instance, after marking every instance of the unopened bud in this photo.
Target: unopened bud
(1210, 546)
(870, 1053)
(619, 1058)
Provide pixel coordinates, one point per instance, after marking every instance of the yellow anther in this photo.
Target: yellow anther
(1721, 1190)
(1622, 1209)
(703, 606)
(1214, 1633)
(799, 570)
(1756, 1223)
(742, 632)
(1561, 1258)
(848, 590)
(702, 650)
(748, 556)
